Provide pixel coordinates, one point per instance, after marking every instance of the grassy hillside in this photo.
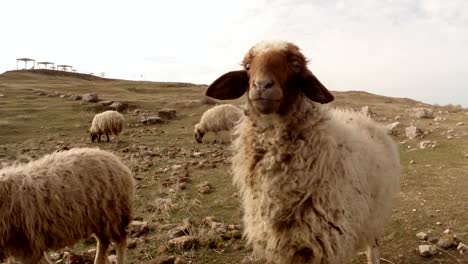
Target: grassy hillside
(168, 163)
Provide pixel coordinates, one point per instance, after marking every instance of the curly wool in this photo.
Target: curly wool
(61, 198)
(108, 122)
(219, 118)
(316, 186)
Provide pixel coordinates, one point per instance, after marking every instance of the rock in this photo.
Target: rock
(422, 236)
(2, 95)
(90, 97)
(184, 242)
(162, 248)
(427, 144)
(438, 223)
(462, 247)
(138, 228)
(112, 259)
(168, 114)
(439, 118)
(421, 112)
(152, 120)
(208, 101)
(460, 124)
(182, 230)
(54, 256)
(75, 97)
(427, 250)
(447, 241)
(466, 156)
(40, 93)
(413, 132)
(412, 162)
(106, 103)
(392, 128)
(61, 96)
(204, 187)
(118, 106)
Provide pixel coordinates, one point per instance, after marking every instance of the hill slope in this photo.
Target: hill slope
(169, 165)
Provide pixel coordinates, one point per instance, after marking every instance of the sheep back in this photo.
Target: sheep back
(219, 118)
(319, 184)
(63, 197)
(108, 122)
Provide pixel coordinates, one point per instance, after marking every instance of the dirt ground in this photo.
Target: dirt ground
(171, 168)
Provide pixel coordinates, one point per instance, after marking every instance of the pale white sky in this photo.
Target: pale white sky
(405, 48)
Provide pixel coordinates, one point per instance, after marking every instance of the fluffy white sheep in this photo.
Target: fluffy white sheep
(108, 122)
(317, 184)
(61, 198)
(216, 119)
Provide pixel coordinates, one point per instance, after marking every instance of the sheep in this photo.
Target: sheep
(317, 184)
(108, 122)
(61, 198)
(219, 118)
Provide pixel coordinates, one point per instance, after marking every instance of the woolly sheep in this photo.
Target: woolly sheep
(317, 184)
(61, 198)
(108, 122)
(219, 118)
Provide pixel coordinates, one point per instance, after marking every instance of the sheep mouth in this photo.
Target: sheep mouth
(266, 106)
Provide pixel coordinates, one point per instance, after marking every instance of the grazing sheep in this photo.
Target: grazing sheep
(108, 122)
(317, 184)
(219, 118)
(61, 198)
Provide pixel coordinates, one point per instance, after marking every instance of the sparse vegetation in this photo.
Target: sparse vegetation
(168, 164)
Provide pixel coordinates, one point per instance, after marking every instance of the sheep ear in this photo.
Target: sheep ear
(315, 90)
(231, 85)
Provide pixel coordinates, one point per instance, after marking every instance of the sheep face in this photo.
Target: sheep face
(275, 75)
(94, 136)
(198, 134)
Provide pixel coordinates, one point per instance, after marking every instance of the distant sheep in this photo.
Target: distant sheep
(219, 118)
(64, 197)
(108, 122)
(317, 184)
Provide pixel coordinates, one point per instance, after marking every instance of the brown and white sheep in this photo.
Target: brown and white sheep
(61, 198)
(108, 122)
(317, 184)
(216, 119)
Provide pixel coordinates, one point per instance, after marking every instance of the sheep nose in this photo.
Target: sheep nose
(264, 84)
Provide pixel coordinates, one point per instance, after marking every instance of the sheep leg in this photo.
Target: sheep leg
(99, 138)
(122, 251)
(373, 254)
(101, 254)
(107, 135)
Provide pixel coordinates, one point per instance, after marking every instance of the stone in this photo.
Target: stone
(184, 242)
(439, 118)
(40, 93)
(182, 230)
(118, 106)
(164, 260)
(106, 103)
(422, 236)
(138, 228)
(168, 114)
(427, 250)
(460, 124)
(421, 112)
(392, 128)
(152, 120)
(462, 247)
(75, 97)
(2, 95)
(204, 187)
(90, 97)
(413, 132)
(447, 241)
(427, 144)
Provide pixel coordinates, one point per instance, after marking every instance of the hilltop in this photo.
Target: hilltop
(38, 116)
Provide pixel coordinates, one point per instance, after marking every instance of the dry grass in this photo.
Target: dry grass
(435, 184)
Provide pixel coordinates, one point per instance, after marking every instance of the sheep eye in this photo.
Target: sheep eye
(296, 66)
(247, 66)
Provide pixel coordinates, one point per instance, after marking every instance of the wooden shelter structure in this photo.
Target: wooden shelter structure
(25, 60)
(64, 67)
(45, 63)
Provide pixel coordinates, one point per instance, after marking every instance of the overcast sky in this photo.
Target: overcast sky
(404, 48)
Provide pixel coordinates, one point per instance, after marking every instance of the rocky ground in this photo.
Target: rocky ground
(186, 208)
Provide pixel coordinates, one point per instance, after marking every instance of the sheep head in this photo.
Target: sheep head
(198, 134)
(275, 75)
